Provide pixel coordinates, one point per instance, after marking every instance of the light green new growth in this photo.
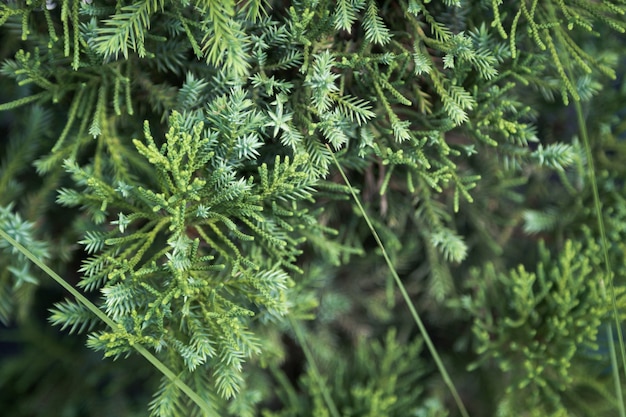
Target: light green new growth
(529, 316)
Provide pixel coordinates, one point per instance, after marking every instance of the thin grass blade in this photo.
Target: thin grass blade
(429, 343)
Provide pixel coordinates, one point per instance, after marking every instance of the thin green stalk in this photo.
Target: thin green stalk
(206, 408)
(582, 127)
(316, 373)
(615, 366)
(429, 343)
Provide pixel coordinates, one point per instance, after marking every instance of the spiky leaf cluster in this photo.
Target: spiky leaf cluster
(174, 259)
(535, 324)
(17, 278)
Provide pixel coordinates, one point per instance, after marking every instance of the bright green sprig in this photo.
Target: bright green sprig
(551, 315)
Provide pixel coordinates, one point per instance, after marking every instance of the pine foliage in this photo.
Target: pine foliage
(175, 267)
(175, 161)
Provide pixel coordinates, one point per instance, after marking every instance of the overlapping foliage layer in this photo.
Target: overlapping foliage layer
(174, 160)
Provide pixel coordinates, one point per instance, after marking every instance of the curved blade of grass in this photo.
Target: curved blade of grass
(429, 343)
(582, 127)
(204, 406)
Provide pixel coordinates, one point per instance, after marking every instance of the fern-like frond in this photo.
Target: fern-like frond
(76, 317)
(126, 30)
